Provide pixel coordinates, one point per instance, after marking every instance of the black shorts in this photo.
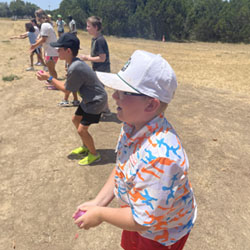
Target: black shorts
(87, 118)
(37, 51)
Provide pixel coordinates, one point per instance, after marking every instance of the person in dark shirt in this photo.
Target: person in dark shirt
(99, 56)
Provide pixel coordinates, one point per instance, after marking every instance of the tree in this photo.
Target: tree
(4, 10)
(17, 8)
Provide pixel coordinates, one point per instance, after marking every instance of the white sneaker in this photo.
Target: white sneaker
(45, 68)
(38, 64)
(63, 103)
(76, 103)
(30, 69)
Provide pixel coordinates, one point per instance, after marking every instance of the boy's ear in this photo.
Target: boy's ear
(69, 51)
(153, 105)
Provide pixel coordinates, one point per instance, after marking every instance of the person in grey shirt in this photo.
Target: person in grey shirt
(83, 79)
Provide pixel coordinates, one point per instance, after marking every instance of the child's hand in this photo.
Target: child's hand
(42, 75)
(32, 47)
(91, 203)
(91, 217)
(84, 57)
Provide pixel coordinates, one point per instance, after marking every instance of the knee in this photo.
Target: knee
(82, 130)
(74, 120)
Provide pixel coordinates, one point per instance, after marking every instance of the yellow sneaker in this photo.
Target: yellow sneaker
(90, 158)
(80, 150)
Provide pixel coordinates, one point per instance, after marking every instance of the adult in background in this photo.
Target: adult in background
(60, 25)
(72, 25)
(47, 36)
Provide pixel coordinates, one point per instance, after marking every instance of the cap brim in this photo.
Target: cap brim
(56, 44)
(113, 81)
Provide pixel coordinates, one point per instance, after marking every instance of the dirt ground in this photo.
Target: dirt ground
(41, 186)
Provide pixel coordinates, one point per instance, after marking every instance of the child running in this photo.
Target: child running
(150, 180)
(82, 78)
(30, 33)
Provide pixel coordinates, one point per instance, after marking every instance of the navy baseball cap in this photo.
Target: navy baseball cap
(67, 40)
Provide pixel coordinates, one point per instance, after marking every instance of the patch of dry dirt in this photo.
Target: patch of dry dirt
(41, 186)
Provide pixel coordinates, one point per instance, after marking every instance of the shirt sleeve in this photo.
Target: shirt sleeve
(100, 47)
(44, 30)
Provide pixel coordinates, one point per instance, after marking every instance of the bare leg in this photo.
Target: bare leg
(76, 119)
(66, 96)
(40, 59)
(51, 67)
(31, 59)
(86, 138)
(75, 96)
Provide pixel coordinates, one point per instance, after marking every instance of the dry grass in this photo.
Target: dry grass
(216, 65)
(40, 186)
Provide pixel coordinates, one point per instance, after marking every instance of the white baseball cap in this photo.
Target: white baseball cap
(144, 73)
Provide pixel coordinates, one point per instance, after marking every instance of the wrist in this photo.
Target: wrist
(50, 79)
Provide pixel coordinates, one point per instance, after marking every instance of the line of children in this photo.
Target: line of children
(150, 180)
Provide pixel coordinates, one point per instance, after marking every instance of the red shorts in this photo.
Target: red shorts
(134, 241)
(51, 58)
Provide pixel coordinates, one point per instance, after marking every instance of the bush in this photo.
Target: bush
(10, 78)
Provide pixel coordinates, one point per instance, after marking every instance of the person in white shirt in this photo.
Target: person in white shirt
(47, 35)
(72, 25)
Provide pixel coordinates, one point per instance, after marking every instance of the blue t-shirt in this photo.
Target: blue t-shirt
(32, 37)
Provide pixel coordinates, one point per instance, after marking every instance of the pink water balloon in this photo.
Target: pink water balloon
(79, 214)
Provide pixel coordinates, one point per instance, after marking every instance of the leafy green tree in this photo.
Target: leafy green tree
(30, 9)
(17, 8)
(78, 9)
(4, 10)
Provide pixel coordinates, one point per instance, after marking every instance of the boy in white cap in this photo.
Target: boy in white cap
(157, 205)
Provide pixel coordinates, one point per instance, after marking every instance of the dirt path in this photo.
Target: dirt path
(41, 186)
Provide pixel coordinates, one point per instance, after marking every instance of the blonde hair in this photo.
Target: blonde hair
(95, 21)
